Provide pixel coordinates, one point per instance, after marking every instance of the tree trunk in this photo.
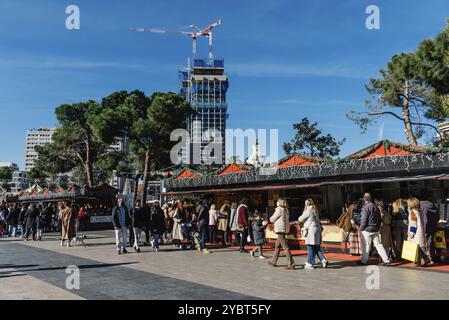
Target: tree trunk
(136, 187)
(145, 178)
(406, 116)
(88, 164)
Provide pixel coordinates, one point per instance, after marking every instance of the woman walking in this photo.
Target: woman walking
(281, 221)
(67, 223)
(417, 231)
(312, 231)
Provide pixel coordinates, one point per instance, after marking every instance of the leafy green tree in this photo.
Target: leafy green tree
(5, 173)
(309, 140)
(147, 122)
(398, 88)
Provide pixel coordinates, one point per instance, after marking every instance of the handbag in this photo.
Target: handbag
(410, 251)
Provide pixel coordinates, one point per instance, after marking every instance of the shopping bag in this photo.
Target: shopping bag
(410, 251)
(439, 239)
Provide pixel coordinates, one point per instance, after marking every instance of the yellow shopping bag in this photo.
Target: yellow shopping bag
(410, 251)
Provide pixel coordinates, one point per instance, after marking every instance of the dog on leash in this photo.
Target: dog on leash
(79, 240)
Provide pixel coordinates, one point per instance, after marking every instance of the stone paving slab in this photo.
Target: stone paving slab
(228, 270)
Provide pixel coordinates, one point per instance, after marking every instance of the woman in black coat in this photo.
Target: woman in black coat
(31, 215)
(157, 225)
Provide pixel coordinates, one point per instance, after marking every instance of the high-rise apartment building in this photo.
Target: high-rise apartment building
(36, 137)
(204, 85)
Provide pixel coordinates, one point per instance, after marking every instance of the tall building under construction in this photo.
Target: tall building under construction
(204, 86)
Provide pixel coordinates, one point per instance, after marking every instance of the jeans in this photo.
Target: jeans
(12, 230)
(155, 241)
(203, 231)
(258, 248)
(212, 234)
(136, 232)
(312, 251)
(121, 238)
(281, 242)
(22, 229)
(39, 234)
(368, 239)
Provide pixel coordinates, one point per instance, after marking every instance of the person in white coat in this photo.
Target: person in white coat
(312, 231)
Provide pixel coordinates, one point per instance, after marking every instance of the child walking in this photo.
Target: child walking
(258, 225)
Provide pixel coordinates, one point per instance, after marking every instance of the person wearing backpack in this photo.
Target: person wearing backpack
(370, 227)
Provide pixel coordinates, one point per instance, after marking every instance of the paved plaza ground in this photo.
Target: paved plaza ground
(37, 270)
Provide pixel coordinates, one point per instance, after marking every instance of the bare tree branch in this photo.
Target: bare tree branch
(399, 118)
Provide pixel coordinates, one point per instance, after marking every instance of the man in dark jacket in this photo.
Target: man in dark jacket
(13, 219)
(121, 221)
(370, 226)
(202, 223)
(21, 220)
(431, 217)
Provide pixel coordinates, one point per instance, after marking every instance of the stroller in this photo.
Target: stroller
(190, 233)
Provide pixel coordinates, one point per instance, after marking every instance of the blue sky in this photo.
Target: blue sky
(285, 59)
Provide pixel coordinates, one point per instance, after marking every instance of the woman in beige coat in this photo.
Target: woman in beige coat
(223, 216)
(281, 221)
(178, 216)
(67, 224)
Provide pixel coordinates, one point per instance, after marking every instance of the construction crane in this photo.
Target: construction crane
(194, 34)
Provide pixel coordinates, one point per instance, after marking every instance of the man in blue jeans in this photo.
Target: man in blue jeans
(202, 222)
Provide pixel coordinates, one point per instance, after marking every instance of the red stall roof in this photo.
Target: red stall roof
(387, 148)
(297, 160)
(232, 168)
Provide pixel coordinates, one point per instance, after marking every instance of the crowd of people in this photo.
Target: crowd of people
(25, 220)
(182, 223)
(387, 226)
(369, 223)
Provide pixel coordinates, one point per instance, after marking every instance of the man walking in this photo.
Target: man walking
(202, 222)
(121, 222)
(370, 226)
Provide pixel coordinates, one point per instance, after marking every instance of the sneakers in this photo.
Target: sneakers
(386, 264)
(325, 263)
(262, 257)
(125, 251)
(251, 253)
(205, 251)
(360, 263)
(308, 266)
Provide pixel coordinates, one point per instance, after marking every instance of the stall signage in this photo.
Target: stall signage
(100, 219)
